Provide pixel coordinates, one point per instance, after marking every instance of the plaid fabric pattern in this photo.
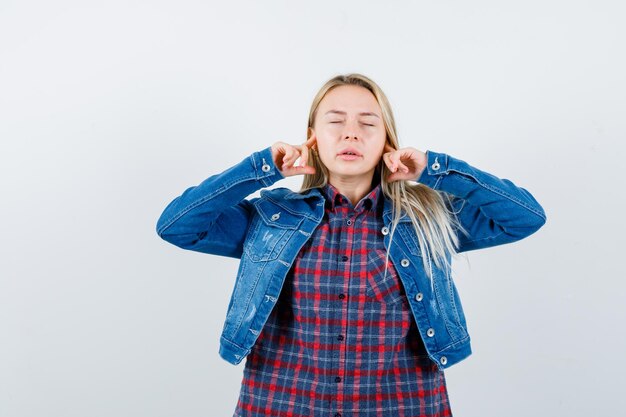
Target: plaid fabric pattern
(341, 340)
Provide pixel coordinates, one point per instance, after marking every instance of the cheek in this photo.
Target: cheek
(327, 157)
(374, 161)
(324, 152)
(377, 156)
(324, 144)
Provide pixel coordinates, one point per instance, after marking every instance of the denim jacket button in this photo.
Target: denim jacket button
(265, 167)
(443, 360)
(404, 262)
(385, 230)
(419, 296)
(435, 166)
(430, 332)
(275, 216)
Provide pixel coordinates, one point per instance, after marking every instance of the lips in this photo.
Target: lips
(349, 151)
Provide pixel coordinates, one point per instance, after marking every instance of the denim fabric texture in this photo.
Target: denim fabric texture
(267, 233)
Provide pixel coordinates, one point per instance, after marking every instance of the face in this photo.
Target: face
(349, 117)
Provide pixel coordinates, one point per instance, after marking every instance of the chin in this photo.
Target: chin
(354, 172)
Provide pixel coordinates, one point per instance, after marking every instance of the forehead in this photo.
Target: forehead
(351, 99)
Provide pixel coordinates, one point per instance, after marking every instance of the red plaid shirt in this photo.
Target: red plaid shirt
(341, 340)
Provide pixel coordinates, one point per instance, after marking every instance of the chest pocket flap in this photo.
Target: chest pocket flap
(274, 215)
(270, 231)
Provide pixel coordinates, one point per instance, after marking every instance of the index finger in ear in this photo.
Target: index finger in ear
(305, 155)
(389, 148)
(310, 141)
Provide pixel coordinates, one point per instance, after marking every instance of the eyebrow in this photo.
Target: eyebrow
(365, 113)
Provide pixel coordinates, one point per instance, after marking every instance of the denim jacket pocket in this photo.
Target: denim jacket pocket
(270, 230)
(381, 287)
(449, 305)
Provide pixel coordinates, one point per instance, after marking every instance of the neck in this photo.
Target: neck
(353, 188)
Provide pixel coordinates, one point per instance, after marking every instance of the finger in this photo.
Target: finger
(389, 148)
(394, 155)
(298, 155)
(311, 141)
(308, 144)
(299, 170)
(292, 162)
(397, 158)
(304, 169)
(409, 160)
(304, 159)
(389, 162)
(402, 167)
(394, 158)
(280, 153)
(290, 156)
(286, 156)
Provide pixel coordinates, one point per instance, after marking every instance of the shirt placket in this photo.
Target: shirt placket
(346, 221)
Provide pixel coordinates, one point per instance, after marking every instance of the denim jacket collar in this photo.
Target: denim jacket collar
(316, 195)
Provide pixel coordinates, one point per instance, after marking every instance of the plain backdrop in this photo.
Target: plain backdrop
(109, 110)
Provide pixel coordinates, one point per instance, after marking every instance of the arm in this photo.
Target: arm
(213, 216)
(492, 210)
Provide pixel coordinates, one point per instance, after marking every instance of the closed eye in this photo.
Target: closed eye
(366, 124)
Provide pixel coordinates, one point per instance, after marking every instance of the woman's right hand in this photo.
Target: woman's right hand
(285, 156)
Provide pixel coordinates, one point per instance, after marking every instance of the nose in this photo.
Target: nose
(351, 131)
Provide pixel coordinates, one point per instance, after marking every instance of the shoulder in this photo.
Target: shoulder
(288, 195)
(278, 193)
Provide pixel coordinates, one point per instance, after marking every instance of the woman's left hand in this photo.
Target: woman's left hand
(404, 164)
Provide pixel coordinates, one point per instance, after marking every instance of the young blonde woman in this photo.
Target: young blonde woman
(344, 304)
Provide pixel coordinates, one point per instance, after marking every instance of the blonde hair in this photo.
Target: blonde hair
(433, 222)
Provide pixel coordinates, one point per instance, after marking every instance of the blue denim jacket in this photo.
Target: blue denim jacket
(267, 232)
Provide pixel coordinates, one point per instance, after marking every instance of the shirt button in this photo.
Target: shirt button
(349, 222)
(265, 167)
(419, 296)
(385, 230)
(443, 360)
(340, 337)
(430, 332)
(344, 258)
(404, 262)
(342, 296)
(337, 414)
(337, 379)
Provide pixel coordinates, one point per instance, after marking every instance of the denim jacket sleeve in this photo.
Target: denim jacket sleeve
(213, 216)
(492, 210)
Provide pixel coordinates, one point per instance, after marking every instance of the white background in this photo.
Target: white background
(109, 110)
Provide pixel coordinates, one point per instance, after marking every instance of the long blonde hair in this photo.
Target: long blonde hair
(433, 222)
